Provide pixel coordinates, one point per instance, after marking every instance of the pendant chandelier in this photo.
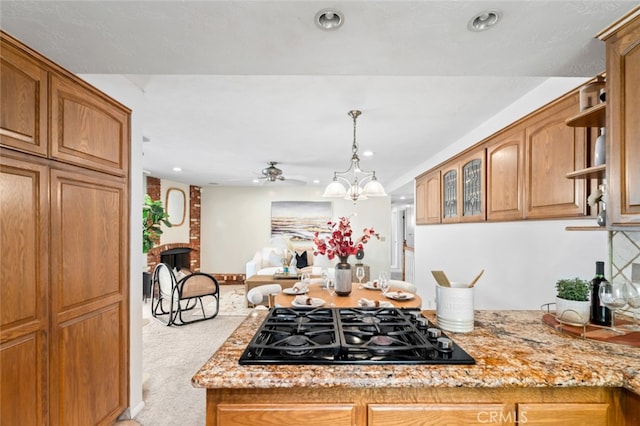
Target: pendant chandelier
(349, 184)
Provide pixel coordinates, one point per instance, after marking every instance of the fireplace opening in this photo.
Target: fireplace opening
(177, 258)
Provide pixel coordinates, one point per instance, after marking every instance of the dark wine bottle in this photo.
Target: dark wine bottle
(600, 314)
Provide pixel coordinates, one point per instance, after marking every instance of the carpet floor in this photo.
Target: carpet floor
(172, 355)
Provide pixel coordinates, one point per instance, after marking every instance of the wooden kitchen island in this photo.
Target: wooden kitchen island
(525, 373)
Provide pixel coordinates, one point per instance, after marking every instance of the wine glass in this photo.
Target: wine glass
(383, 282)
(306, 280)
(324, 274)
(360, 274)
(613, 296)
(331, 289)
(633, 299)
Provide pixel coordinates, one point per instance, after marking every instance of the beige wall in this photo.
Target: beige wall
(236, 223)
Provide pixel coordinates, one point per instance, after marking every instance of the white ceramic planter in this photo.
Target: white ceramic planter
(573, 311)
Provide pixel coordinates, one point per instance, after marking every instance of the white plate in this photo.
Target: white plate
(369, 286)
(315, 303)
(383, 304)
(294, 291)
(399, 295)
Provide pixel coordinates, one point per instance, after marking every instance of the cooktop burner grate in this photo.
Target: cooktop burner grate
(350, 336)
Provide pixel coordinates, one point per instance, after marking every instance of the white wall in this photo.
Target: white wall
(522, 260)
(236, 222)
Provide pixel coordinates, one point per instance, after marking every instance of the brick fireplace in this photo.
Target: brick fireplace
(187, 253)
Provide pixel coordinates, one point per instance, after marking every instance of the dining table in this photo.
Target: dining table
(358, 292)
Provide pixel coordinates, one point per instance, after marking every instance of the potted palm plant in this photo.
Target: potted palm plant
(153, 215)
(572, 300)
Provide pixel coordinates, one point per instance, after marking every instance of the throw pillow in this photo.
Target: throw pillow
(301, 260)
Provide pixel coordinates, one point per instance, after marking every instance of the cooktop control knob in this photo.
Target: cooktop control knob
(433, 333)
(444, 344)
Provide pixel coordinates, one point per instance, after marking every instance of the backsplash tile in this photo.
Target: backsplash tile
(624, 253)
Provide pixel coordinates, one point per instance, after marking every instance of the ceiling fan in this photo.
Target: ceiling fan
(273, 173)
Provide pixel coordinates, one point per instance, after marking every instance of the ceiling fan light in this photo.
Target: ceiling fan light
(335, 190)
(373, 188)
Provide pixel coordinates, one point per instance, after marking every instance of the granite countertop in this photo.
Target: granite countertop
(511, 348)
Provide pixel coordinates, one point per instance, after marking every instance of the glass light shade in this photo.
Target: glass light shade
(335, 190)
(373, 188)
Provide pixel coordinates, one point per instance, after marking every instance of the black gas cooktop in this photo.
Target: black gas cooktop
(351, 336)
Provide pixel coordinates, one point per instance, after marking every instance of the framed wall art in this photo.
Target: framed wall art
(299, 220)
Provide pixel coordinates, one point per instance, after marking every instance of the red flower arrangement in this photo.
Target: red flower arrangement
(340, 242)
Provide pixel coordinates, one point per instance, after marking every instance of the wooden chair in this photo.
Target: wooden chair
(173, 301)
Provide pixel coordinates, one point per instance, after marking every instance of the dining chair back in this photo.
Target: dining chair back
(263, 294)
(403, 285)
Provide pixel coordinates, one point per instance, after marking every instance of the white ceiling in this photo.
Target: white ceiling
(230, 85)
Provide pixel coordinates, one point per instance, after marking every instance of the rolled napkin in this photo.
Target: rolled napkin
(303, 300)
(366, 303)
(300, 286)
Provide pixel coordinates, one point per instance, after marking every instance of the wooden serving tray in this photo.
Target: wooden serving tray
(593, 332)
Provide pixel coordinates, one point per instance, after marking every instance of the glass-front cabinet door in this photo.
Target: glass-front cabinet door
(472, 176)
(450, 194)
(463, 188)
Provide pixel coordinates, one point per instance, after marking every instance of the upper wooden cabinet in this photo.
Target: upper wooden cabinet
(623, 124)
(505, 175)
(463, 188)
(23, 104)
(428, 198)
(87, 129)
(553, 149)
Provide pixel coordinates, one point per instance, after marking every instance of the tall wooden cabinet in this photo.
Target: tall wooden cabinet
(64, 165)
(623, 123)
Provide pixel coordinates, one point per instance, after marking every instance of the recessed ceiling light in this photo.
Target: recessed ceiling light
(316, 181)
(256, 181)
(484, 20)
(367, 153)
(402, 197)
(177, 169)
(329, 19)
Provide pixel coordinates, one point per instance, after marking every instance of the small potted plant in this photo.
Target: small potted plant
(572, 300)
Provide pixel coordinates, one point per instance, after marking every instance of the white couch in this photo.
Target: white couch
(268, 260)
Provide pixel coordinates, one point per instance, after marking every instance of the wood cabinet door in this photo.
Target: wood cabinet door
(432, 188)
(505, 176)
(421, 200)
(554, 149)
(428, 198)
(87, 128)
(23, 104)
(440, 414)
(24, 269)
(583, 414)
(472, 186)
(285, 414)
(89, 296)
(623, 133)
